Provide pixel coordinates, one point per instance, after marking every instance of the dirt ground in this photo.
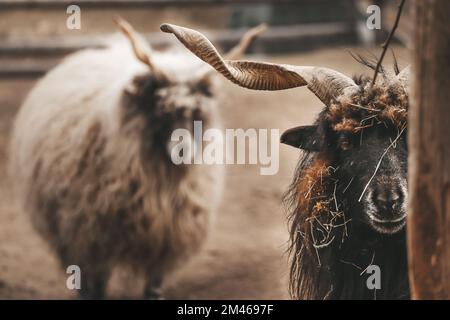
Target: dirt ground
(244, 257)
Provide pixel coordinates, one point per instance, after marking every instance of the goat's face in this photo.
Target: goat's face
(178, 105)
(370, 167)
(373, 164)
(167, 106)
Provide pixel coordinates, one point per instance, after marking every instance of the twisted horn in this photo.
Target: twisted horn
(325, 83)
(238, 50)
(141, 50)
(247, 39)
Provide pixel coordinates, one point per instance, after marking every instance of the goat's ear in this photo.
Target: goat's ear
(304, 137)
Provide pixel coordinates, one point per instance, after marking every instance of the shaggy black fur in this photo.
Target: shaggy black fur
(332, 242)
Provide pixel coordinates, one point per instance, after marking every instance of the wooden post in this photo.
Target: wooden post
(429, 153)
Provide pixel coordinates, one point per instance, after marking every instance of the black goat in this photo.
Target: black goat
(348, 197)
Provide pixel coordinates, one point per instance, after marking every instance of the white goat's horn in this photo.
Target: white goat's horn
(247, 39)
(325, 83)
(141, 50)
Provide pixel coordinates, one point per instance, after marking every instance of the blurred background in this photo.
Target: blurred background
(245, 256)
(34, 35)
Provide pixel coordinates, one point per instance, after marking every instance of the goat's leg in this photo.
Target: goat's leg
(94, 280)
(95, 272)
(93, 285)
(152, 290)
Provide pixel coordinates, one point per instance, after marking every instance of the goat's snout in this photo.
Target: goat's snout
(386, 198)
(387, 207)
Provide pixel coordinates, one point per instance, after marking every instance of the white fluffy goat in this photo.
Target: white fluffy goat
(89, 153)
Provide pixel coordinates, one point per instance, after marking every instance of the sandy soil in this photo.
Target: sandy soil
(244, 257)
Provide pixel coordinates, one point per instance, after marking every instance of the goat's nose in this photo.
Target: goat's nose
(387, 199)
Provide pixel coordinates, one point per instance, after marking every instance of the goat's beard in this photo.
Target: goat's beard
(308, 199)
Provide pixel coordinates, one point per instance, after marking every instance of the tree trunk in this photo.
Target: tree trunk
(429, 153)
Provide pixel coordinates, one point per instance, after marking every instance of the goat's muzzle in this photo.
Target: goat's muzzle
(387, 207)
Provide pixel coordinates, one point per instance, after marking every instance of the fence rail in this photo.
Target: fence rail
(45, 4)
(223, 38)
(298, 37)
(28, 53)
